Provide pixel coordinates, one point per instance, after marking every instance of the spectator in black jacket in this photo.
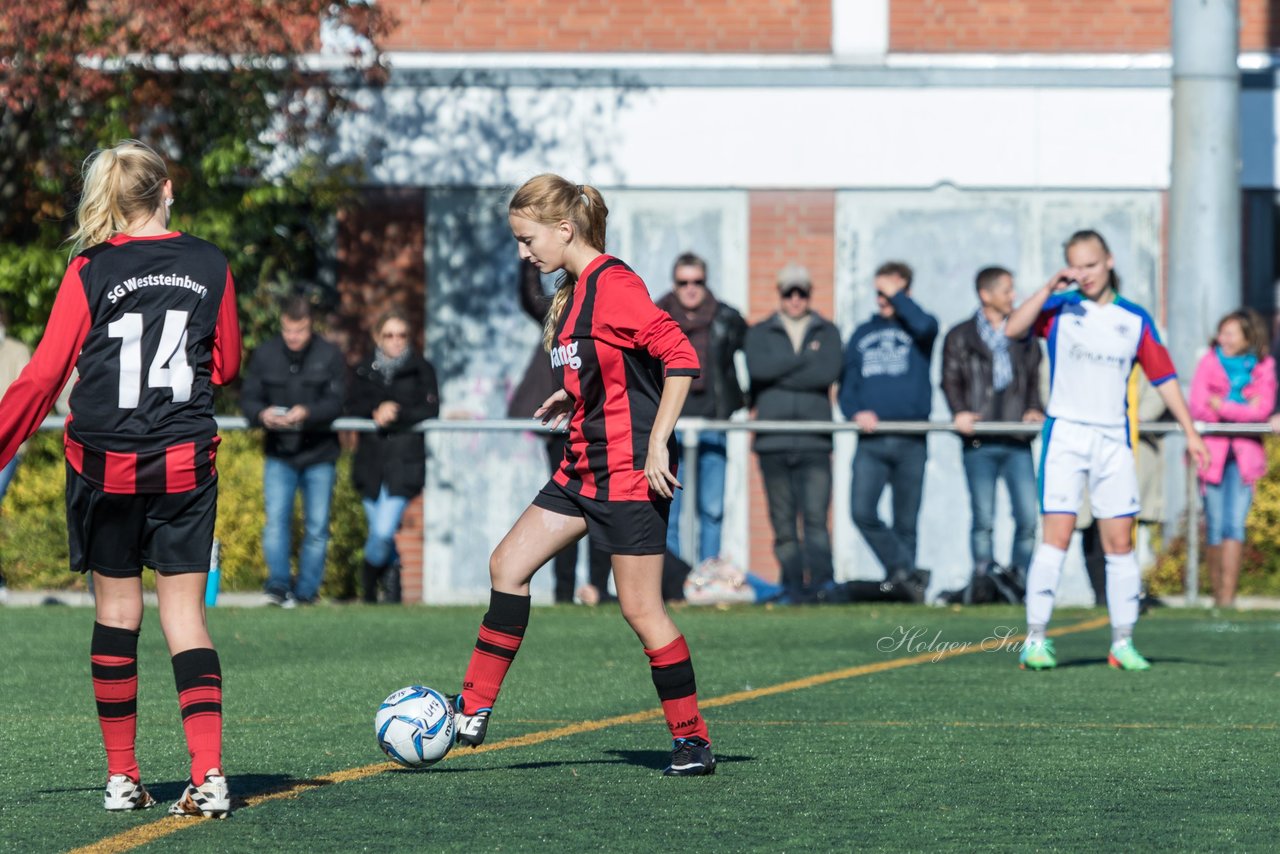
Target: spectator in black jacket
(294, 388)
(988, 377)
(397, 388)
(717, 332)
(793, 357)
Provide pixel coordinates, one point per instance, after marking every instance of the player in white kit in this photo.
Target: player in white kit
(1094, 338)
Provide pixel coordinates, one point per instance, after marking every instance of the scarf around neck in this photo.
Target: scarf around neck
(998, 343)
(696, 325)
(387, 366)
(1239, 370)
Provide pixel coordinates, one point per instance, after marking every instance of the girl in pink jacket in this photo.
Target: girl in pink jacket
(1235, 382)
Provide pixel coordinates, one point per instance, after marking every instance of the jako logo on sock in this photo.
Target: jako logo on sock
(566, 355)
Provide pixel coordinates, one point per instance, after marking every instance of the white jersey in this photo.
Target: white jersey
(1092, 350)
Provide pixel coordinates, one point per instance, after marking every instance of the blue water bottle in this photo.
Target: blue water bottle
(215, 576)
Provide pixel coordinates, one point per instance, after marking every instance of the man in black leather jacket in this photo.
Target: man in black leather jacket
(987, 377)
(716, 332)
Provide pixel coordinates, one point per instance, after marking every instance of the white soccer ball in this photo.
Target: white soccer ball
(415, 726)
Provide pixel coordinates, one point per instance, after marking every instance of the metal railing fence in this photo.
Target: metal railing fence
(689, 429)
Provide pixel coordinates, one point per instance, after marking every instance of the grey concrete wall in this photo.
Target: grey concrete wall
(947, 235)
(481, 341)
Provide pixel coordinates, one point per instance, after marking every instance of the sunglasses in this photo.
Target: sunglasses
(691, 283)
(395, 335)
(790, 293)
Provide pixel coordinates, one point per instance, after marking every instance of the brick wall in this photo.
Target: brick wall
(798, 26)
(381, 264)
(1259, 25)
(409, 544)
(767, 26)
(785, 226)
(1077, 26)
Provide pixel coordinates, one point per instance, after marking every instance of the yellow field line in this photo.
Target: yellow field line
(1005, 725)
(138, 836)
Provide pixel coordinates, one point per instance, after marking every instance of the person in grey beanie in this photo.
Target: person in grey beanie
(793, 357)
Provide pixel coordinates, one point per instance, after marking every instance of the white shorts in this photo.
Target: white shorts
(1073, 455)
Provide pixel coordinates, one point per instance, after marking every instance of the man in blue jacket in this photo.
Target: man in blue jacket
(886, 377)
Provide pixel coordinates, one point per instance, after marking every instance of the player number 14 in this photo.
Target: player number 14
(169, 368)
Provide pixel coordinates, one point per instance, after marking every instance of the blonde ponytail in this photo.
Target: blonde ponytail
(564, 293)
(122, 186)
(549, 199)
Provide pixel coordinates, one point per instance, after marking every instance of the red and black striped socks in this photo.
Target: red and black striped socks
(501, 632)
(113, 661)
(198, 676)
(673, 677)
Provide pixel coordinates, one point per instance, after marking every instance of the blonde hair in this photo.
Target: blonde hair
(549, 199)
(121, 185)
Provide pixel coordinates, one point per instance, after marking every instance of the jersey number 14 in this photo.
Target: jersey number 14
(169, 369)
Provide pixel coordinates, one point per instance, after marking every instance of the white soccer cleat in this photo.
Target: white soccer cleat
(123, 795)
(211, 799)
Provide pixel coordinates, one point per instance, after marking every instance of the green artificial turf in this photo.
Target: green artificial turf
(964, 753)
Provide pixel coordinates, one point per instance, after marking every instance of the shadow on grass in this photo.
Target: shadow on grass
(1102, 662)
(245, 786)
(654, 760)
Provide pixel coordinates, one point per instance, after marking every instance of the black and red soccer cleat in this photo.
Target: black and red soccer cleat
(691, 757)
(469, 729)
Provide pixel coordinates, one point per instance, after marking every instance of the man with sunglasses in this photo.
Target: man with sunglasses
(793, 357)
(716, 332)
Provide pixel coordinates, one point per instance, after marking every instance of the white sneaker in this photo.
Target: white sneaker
(123, 794)
(211, 799)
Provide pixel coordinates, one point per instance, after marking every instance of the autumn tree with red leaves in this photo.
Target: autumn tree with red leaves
(222, 88)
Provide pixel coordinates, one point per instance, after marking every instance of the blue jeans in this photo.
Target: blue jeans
(281, 483)
(896, 461)
(383, 517)
(983, 466)
(6, 475)
(711, 464)
(1226, 506)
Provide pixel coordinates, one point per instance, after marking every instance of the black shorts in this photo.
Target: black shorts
(120, 534)
(615, 527)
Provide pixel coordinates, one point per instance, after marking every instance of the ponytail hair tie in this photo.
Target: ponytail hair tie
(583, 196)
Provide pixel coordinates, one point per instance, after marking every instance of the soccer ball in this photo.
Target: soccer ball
(415, 726)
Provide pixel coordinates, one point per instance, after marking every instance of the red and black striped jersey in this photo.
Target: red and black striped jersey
(611, 346)
(150, 324)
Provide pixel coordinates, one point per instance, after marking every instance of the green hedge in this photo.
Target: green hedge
(1260, 569)
(33, 529)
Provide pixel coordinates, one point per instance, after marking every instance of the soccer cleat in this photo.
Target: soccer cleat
(1037, 655)
(211, 799)
(123, 794)
(691, 757)
(469, 729)
(1124, 656)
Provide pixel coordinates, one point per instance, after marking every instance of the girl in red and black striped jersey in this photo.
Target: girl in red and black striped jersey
(148, 317)
(623, 369)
